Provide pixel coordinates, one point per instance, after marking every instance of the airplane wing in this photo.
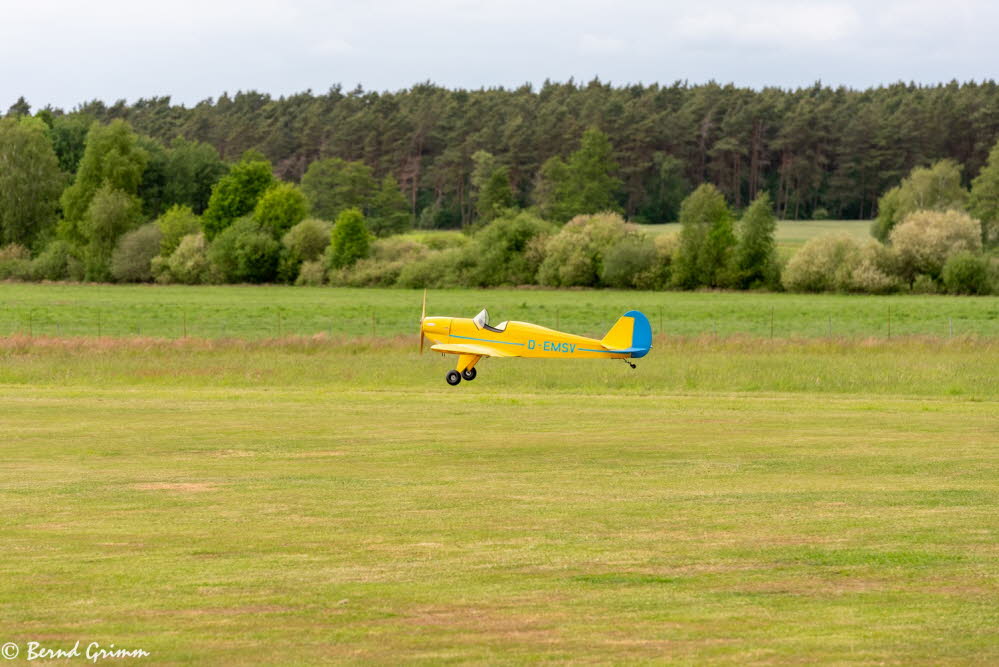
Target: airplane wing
(477, 350)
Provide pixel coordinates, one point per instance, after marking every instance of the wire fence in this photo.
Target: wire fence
(254, 323)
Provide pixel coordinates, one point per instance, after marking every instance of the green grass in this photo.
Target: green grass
(302, 501)
(272, 311)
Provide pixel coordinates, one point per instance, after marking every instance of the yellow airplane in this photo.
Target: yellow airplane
(473, 338)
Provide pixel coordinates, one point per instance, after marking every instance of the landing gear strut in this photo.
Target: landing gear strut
(469, 374)
(453, 377)
(629, 363)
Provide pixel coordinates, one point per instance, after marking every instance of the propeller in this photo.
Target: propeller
(423, 316)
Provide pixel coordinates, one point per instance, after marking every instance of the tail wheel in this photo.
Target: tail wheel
(469, 374)
(453, 377)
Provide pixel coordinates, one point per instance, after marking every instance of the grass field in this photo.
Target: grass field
(274, 311)
(739, 500)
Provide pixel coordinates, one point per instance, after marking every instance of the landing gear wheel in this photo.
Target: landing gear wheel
(469, 374)
(453, 377)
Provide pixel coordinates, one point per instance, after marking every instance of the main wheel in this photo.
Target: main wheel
(469, 374)
(453, 377)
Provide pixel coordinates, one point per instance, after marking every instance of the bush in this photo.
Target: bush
(498, 254)
(630, 263)
(243, 253)
(187, 265)
(925, 239)
(382, 269)
(965, 272)
(924, 284)
(280, 208)
(349, 240)
(130, 261)
(57, 262)
(440, 268)
(574, 256)
(175, 224)
(305, 242)
(15, 262)
(876, 271)
(311, 273)
(823, 264)
(934, 188)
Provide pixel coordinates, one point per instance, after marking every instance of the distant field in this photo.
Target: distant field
(256, 312)
(792, 234)
(740, 501)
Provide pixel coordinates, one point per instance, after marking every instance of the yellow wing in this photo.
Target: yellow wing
(477, 350)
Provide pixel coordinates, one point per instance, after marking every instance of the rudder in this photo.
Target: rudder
(631, 334)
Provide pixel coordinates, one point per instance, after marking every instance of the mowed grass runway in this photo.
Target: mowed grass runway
(739, 500)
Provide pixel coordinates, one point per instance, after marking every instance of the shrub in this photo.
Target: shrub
(439, 268)
(442, 240)
(280, 208)
(305, 242)
(175, 224)
(575, 255)
(823, 264)
(57, 262)
(924, 240)
(934, 188)
(876, 271)
(15, 262)
(498, 254)
(311, 273)
(629, 263)
(965, 272)
(924, 284)
(245, 253)
(349, 240)
(130, 261)
(236, 194)
(188, 264)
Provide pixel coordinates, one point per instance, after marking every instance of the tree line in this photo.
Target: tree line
(819, 151)
(104, 202)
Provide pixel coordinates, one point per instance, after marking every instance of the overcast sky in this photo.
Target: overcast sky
(64, 52)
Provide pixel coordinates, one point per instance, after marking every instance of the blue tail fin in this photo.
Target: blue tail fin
(631, 334)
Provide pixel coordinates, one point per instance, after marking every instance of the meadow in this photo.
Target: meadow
(736, 500)
(274, 311)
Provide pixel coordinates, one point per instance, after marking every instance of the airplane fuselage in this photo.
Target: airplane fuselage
(518, 339)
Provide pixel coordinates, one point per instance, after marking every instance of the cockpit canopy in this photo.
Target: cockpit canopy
(482, 322)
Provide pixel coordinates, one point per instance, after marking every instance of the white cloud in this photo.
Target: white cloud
(771, 24)
(65, 51)
(600, 44)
